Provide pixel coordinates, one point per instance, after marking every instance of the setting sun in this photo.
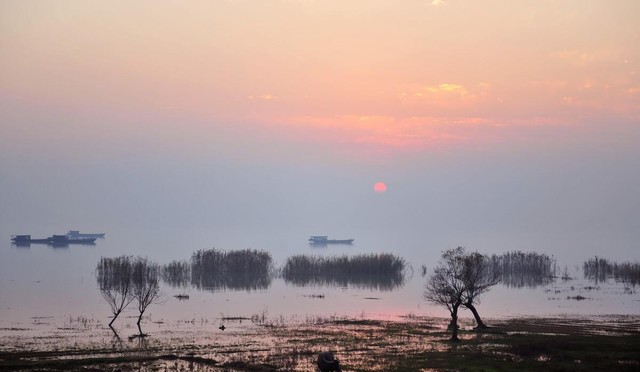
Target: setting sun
(380, 187)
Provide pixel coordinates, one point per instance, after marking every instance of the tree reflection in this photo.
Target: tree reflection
(374, 271)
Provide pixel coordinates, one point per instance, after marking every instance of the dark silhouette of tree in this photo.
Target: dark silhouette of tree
(477, 277)
(146, 285)
(446, 286)
(114, 280)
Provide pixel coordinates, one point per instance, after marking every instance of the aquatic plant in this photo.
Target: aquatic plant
(383, 271)
(246, 269)
(523, 269)
(177, 273)
(601, 269)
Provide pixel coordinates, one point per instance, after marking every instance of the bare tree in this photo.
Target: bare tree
(146, 285)
(446, 286)
(114, 279)
(478, 277)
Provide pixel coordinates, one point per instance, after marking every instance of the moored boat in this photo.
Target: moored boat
(56, 240)
(324, 240)
(75, 234)
(26, 240)
(65, 239)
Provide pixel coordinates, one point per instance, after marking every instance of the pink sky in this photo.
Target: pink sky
(497, 124)
(385, 76)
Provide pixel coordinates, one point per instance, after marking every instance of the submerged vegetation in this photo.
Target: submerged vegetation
(245, 269)
(177, 274)
(215, 270)
(382, 271)
(253, 270)
(601, 269)
(459, 280)
(523, 269)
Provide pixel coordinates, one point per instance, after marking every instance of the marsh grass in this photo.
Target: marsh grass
(382, 271)
(177, 274)
(246, 269)
(600, 270)
(524, 269)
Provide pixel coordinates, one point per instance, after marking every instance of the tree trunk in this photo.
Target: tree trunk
(454, 324)
(480, 323)
(139, 328)
(114, 319)
(115, 334)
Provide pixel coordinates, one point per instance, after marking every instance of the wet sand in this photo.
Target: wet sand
(260, 344)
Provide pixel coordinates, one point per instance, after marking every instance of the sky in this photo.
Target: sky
(491, 122)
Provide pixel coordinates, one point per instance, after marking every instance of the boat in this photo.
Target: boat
(65, 239)
(75, 234)
(22, 240)
(324, 240)
(56, 240)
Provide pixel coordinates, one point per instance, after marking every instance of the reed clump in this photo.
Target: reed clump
(246, 269)
(523, 269)
(381, 271)
(177, 274)
(601, 269)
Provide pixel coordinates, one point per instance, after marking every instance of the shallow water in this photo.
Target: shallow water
(40, 281)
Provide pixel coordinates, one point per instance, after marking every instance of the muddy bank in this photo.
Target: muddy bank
(411, 344)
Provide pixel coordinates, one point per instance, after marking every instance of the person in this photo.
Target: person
(327, 363)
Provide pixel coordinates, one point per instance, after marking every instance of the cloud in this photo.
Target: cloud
(264, 97)
(584, 58)
(447, 88)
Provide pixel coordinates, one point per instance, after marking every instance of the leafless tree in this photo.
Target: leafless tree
(114, 279)
(446, 286)
(146, 285)
(478, 277)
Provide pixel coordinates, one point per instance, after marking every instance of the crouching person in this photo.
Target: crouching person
(327, 363)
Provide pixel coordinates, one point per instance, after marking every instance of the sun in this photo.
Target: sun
(380, 187)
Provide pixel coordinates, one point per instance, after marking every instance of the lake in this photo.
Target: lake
(41, 281)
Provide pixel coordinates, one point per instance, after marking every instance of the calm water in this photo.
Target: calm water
(41, 281)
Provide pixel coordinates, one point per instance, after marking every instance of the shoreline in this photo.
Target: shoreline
(414, 343)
